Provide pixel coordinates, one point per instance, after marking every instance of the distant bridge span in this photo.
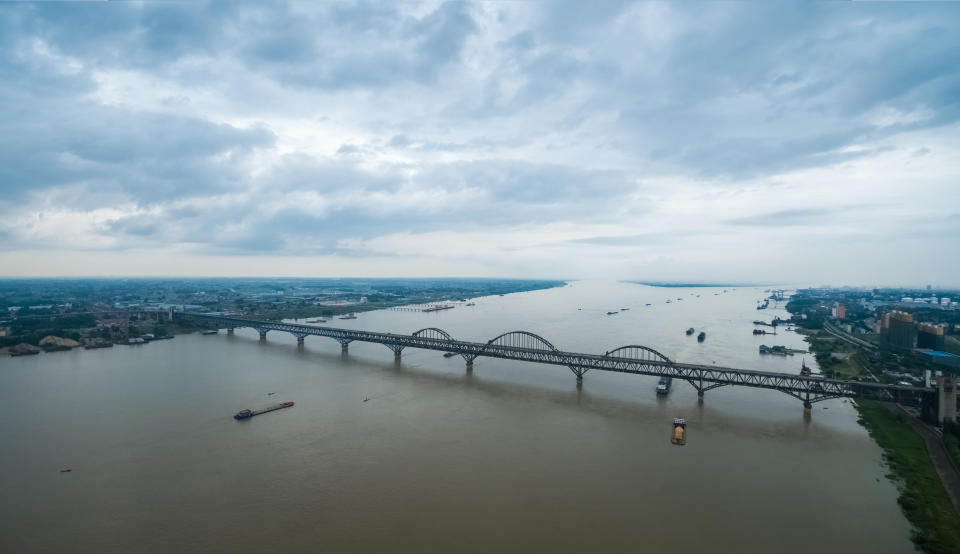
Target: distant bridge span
(640, 360)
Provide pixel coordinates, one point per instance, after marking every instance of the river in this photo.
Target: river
(422, 456)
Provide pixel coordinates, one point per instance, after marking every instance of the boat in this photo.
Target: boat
(210, 332)
(348, 316)
(701, 337)
(663, 387)
(690, 331)
(624, 309)
(611, 313)
(648, 304)
(438, 307)
(779, 350)
(247, 414)
(679, 436)
(668, 301)
(318, 320)
(470, 304)
(449, 354)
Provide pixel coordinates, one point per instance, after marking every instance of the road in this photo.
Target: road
(942, 462)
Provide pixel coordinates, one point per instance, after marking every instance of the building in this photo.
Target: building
(930, 336)
(898, 330)
(841, 311)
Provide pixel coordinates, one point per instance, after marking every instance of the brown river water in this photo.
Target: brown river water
(511, 457)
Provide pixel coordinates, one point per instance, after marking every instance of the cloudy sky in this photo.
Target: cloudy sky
(705, 141)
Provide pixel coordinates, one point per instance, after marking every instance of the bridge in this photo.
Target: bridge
(633, 359)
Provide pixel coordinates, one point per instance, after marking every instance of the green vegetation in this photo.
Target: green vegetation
(922, 498)
(951, 436)
(847, 362)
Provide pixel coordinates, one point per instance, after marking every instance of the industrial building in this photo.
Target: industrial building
(930, 336)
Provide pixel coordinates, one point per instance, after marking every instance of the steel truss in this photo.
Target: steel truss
(635, 359)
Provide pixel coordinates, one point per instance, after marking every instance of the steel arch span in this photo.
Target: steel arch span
(531, 342)
(522, 339)
(638, 352)
(432, 333)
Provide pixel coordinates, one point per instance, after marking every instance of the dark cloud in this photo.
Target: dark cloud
(443, 127)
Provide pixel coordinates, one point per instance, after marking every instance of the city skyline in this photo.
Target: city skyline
(704, 142)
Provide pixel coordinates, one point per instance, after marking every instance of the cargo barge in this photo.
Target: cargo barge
(247, 414)
(438, 307)
(663, 387)
(679, 435)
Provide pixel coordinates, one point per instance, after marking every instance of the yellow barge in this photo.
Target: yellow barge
(679, 436)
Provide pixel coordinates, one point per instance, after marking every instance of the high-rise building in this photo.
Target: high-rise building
(930, 336)
(841, 311)
(898, 330)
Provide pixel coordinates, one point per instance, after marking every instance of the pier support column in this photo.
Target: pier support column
(300, 342)
(700, 397)
(579, 381)
(807, 406)
(344, 348)
(469, 366)
(263, 336)
(396, 356)
(946, 398)
(229, 330)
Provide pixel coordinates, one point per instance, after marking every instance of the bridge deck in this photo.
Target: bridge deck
(640, 360)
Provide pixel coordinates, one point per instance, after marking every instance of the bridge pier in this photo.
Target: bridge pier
(527, 347)
(946, 398)
(263, 335)
(397, 350)
(300, 341)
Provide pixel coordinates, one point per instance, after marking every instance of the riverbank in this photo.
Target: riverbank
(836, 358)
(291, 308)
(923, 499)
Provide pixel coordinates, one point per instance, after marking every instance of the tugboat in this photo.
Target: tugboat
(701, 337)
(679, 436)
(689, 331)
(663, 387)
(449, 354)
(247, 414)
